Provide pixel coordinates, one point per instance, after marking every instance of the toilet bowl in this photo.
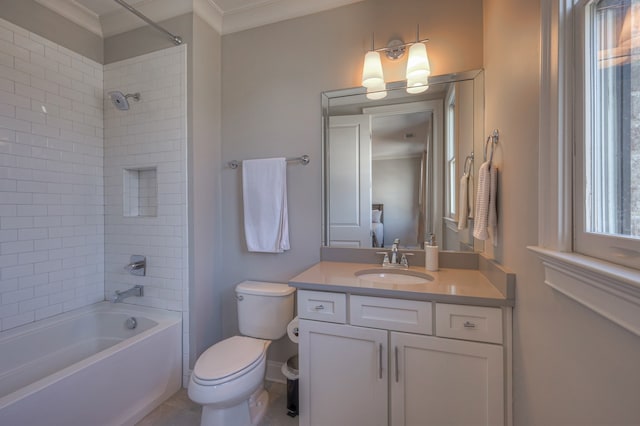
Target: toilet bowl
(228, 378)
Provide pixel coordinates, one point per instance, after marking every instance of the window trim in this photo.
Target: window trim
(609, 289)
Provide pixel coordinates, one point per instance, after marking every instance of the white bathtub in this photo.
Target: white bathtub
(87, 368)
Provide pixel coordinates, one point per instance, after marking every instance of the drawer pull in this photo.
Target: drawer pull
(319, 308)
(468, 324)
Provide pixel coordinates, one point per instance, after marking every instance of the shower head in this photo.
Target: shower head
(121, 101)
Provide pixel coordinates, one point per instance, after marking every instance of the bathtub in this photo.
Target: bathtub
(87, 367)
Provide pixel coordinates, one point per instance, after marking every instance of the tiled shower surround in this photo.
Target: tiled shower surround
(147, 141)
(66, 233)
(51, 179)
(145, 147)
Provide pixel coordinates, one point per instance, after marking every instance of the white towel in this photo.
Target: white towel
(493, 217)
(463, 205)
(483, 201)
(264, 192)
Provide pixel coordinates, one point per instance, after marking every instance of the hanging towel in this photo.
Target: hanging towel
(493, 218)
(264, 192)
(481, 219)
(463, 205)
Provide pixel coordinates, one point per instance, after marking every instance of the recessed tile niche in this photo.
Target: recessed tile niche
(140, 192)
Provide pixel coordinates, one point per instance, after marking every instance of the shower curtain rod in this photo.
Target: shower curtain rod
(176, 39)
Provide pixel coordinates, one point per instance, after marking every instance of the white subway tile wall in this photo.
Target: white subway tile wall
(51, 178)
(149, 141)
(150, 135)
(64, 152)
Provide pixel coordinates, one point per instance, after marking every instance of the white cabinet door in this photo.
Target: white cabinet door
(437, 381)
(343, 375)
(350, 181)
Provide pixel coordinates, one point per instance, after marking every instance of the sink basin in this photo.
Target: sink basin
(393, 276)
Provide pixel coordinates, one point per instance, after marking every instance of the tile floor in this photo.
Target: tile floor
(180, 411)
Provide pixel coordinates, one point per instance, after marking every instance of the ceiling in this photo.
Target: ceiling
(107, 18)
(399, 135)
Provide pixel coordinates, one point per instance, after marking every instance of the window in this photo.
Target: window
(582, 157)
(607, 191)
(450, 155)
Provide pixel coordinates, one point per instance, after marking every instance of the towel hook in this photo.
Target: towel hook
(494, 137)
(467, 161)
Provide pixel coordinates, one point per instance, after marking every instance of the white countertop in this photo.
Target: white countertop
(464, 286)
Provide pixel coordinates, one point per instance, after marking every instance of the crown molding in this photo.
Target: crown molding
(76, 13)
(271, 11)
(238, 19)
(122, 20)
(209, 12)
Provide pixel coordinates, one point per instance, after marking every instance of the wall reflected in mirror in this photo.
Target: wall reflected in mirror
(394, 168)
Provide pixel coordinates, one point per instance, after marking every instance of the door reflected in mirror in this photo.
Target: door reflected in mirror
(394, 167)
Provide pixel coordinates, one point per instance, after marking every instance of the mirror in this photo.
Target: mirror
(393, 167)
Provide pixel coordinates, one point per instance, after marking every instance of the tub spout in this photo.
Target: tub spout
(119, 296)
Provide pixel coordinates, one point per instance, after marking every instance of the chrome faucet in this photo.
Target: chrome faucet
(394, 251)
(119, 296)
(396, 261)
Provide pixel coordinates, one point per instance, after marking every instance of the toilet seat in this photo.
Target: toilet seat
(228, 359)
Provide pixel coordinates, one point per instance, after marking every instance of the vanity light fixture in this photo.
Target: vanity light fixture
(418, 67)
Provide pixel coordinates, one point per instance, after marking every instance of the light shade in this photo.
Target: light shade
(418, 68)
(372, 71)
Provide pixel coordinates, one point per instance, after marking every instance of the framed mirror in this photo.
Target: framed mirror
(395, 167)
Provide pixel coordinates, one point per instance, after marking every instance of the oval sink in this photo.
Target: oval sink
(393, 276)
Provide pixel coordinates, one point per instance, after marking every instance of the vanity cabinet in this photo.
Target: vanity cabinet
(383, 365)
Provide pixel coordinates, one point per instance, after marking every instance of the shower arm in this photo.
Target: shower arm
(177, 40)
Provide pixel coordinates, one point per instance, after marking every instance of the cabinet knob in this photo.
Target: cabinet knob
(469, 324)
(319, 307)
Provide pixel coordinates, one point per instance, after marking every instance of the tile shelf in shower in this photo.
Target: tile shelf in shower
(140, 192)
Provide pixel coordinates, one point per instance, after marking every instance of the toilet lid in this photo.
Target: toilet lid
(229, 357)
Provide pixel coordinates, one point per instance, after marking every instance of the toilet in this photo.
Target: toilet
(228, 378)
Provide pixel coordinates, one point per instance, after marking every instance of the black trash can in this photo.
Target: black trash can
(290, 371)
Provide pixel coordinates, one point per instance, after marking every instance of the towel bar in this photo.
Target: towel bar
(305, 159)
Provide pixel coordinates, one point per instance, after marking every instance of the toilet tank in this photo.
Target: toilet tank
(264, 309)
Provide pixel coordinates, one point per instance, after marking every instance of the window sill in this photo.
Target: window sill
(611, 290)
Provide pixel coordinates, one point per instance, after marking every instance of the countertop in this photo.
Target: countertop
(461, 286)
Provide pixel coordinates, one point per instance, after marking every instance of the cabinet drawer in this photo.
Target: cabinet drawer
(322, 306)
(469, 322)
(411, 316)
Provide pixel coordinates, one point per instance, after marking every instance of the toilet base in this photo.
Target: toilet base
(247, 412)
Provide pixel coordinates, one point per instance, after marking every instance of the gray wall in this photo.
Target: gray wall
(147, 39)
(31, 16)
(205, 188)
(272, 79)
(571, 366)
(396, 184)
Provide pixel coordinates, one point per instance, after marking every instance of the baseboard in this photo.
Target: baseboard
(274, 372)
(185, 378)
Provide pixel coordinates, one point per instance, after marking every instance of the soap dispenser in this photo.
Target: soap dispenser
(431, 254)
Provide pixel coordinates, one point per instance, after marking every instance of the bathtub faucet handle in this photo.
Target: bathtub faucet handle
(137, 265)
